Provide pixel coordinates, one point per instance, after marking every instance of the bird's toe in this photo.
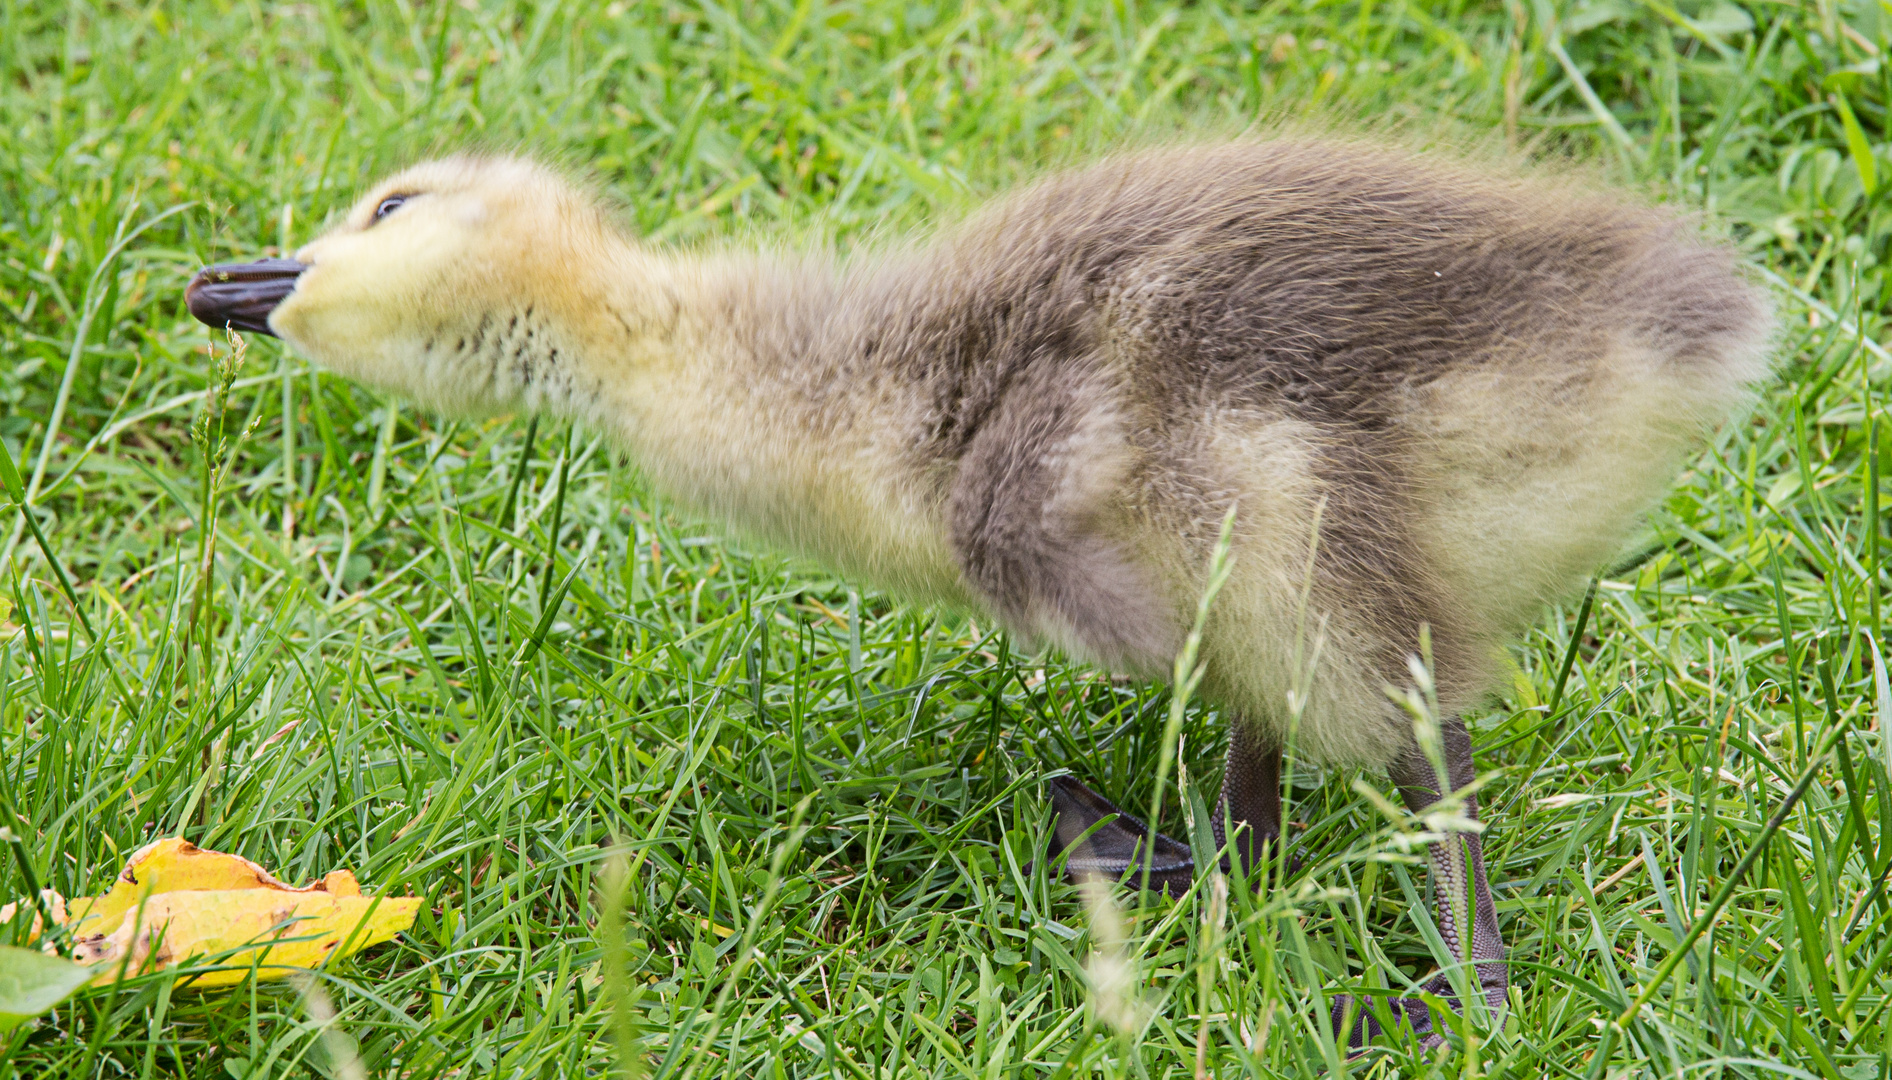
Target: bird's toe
(1410, 1013)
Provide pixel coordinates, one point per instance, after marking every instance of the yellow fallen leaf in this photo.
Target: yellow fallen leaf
(175, 901)
(177, 865)
(276, 931)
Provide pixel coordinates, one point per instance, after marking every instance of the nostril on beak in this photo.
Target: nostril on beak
(241, 295)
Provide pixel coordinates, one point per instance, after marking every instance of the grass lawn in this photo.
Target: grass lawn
(479, 662)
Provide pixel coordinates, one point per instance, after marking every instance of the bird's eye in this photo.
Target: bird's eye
(388, 206)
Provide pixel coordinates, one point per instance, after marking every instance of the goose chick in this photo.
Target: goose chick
(1438, 399)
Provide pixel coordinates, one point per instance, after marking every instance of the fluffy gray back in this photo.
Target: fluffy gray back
(1066, 353)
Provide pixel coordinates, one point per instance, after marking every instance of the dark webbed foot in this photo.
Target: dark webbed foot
(1102, 840)
(1408, 1012)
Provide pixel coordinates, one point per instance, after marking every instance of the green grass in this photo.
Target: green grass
(323, 630)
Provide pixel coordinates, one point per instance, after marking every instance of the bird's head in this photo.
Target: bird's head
(456, 283)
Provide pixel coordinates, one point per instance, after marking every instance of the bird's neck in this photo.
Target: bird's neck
(732, 382)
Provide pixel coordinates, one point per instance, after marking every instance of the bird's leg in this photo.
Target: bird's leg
(1251, 796)
(1466, 918)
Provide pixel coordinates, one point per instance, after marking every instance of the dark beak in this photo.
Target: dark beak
(241, 295)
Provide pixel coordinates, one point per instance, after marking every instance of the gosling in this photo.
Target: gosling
(1437, 395)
